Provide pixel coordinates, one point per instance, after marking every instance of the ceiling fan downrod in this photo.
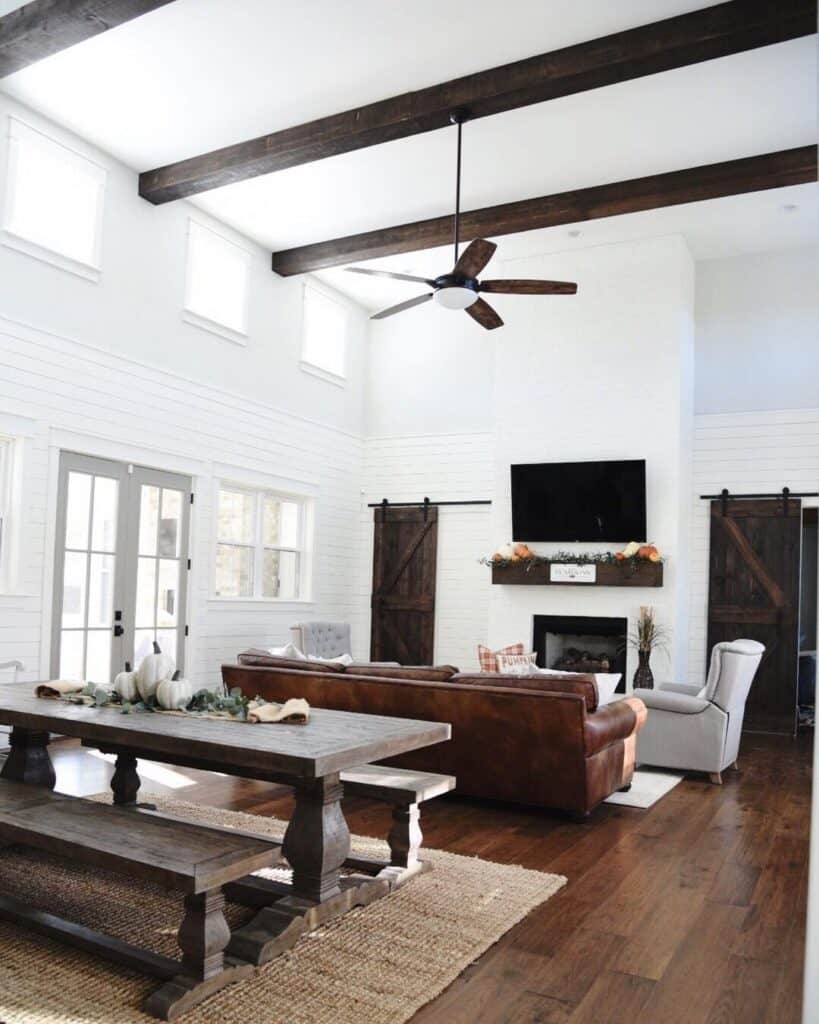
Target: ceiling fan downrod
(457, 117)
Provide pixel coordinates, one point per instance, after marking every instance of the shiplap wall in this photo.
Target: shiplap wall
(747, 453)
(61, 393)
(442, 467)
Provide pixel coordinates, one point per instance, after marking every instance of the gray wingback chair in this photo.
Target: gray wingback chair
(322, 639)
(699, 728)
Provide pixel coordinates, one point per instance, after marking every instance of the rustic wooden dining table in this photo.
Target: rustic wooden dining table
(307, 757)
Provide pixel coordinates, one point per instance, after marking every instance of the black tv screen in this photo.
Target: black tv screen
(579, 501)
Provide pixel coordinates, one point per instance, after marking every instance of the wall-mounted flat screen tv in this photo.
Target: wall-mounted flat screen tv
(579, 501)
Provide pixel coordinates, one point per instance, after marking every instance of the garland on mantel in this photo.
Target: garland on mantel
(631, 562)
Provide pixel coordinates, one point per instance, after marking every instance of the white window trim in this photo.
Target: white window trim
(305, 549)
(20, 131)
(189, 315)
(10, 482)
(340, 380)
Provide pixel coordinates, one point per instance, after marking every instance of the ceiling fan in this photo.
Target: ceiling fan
(461, 288)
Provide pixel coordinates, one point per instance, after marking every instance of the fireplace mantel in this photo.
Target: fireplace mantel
(643, 574)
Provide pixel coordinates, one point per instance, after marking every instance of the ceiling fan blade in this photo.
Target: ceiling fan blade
(516, 286)
(387, 273)
(402, 306)
(474, 258)
(485, 315)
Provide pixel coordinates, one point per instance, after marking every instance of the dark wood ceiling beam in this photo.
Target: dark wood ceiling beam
(44, 27)
(701, 35)
(713, 181)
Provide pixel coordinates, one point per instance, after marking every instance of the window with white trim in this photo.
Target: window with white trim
(217, 282)
(260, 544)
(324, 336)
(54, 201)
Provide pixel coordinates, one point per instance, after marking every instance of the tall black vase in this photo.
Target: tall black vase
(644, 677)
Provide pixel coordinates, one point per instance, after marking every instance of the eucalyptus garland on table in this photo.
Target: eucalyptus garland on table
(202, 703)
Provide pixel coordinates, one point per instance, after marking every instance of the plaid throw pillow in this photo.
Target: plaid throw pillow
(489, 658)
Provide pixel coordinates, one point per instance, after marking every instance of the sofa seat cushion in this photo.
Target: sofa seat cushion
(423, 673)
(258, 656)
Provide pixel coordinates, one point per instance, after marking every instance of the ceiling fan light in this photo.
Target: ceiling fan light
(455, 297)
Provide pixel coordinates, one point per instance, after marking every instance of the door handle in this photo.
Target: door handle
(118, 630)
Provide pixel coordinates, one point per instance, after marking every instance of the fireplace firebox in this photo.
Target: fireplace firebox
(581, 643)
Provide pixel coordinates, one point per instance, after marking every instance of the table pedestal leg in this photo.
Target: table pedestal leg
(317, 841)
(28, 760)
(316, 844)
(125, 780)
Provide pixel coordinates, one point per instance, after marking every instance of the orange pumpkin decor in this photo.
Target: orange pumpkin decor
(646, 552)
(522, 551)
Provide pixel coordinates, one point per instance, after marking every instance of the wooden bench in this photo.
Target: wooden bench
(406, 790)
(193, 859)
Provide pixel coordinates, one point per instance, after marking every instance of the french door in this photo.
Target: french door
(120, 579)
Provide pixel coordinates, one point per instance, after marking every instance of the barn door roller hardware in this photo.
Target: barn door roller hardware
(785, 494)
(425, 504)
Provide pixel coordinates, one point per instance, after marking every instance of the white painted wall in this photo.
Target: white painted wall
(112, 369)
(757, 327)
(604, 375)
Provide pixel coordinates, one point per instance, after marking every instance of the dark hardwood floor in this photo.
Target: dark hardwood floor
(692, 912)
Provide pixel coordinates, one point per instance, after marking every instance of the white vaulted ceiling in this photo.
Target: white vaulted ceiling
(201, 74)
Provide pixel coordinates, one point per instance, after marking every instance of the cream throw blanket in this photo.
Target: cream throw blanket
(59, 688)
(295, 711)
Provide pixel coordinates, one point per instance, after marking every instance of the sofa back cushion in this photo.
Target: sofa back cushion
(424, 673)
(585, 686)
(259, 656)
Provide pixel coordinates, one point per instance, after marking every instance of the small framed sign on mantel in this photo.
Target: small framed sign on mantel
(572, 572)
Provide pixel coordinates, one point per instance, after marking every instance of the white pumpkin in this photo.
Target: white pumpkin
(125, 684)
(174, 694)
(506, 551)
(152, 670)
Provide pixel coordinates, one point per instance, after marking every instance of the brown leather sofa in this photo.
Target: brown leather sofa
(529, 740)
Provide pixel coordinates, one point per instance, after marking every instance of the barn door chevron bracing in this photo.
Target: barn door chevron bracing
(754, 594)
(403, 599)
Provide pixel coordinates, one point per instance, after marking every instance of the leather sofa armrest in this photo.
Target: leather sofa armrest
(665, 700)
(608, 725)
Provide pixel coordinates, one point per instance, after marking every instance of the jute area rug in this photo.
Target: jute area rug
(376, 965)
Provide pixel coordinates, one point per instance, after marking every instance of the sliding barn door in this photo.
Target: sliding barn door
(403, 599)
(754, 594)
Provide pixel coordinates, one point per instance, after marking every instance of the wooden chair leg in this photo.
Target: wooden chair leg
(405, 836)
(716, 778)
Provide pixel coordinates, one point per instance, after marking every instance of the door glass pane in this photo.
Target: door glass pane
(166, 638)
(76, 563)
(101, 591)
(148, 519)
(77, 509)
(234, 571)
(71, 654)
(143, 644)
(104, 529)
(236, 517)
(146, 592)
(98, 656)
(170, 524)
(168, 604)
(281, 574)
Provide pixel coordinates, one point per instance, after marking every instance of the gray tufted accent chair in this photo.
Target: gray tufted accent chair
(322, 639)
